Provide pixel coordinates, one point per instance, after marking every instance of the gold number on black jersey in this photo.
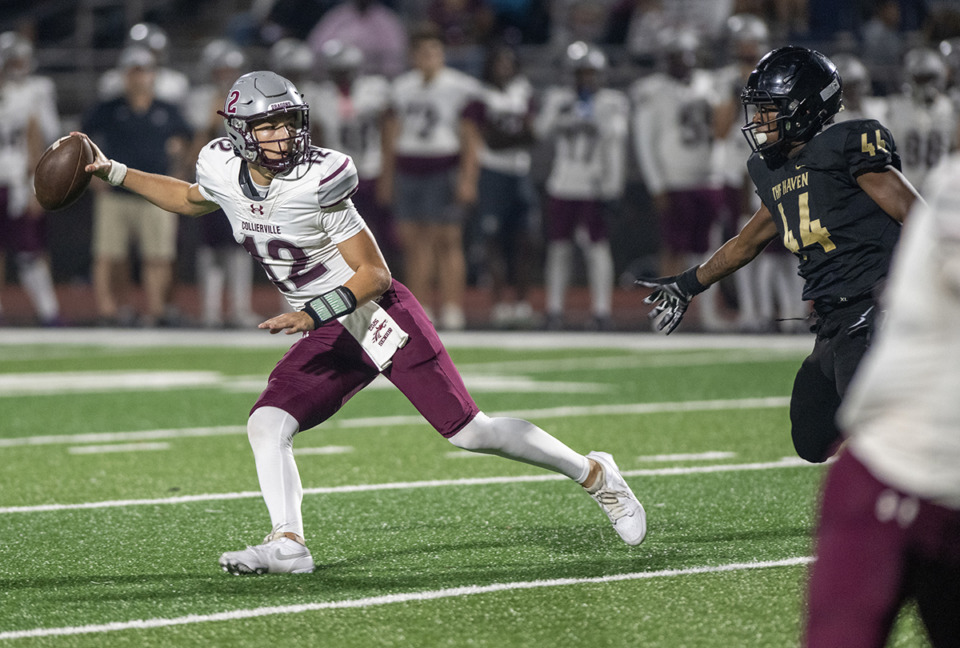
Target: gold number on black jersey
(811, 232)
(867, 147)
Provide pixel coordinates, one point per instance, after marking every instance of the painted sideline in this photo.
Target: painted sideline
(786, 462)
(372, 601)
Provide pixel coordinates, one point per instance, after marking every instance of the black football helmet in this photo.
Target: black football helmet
(802, 86)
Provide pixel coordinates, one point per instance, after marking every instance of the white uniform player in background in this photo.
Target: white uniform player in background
(674, 136)
(923, 119)
(349, 117)
(223, 267)
(430, 172)
(171, 85)
(289, 205)
(28, 123)
(588, 125)
(890, 512)
(859, 101)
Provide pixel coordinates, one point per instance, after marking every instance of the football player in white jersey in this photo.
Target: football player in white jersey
(588, 125)
(28, 122)
(922, 118)
(351, 121)
(223, 267)
(674, 138)
(890, 515)
(289, 205)
(430, 172)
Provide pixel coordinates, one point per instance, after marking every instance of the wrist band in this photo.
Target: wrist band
(687, 282)
(329, 306)
(117, 173)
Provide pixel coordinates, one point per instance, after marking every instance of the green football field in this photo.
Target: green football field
(126, 471)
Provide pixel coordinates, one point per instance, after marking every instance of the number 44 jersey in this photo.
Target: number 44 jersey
(843, 239)
(294, 229)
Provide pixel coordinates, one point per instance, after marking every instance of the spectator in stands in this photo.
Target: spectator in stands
(154, 136)
(370, 26)
(588, 125)
(506, 205)
(430, 172)
(884, 45)
(28, 122)
(221, 261)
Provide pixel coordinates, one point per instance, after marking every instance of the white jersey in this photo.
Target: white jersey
(924, 134)
(293, 231)
(16, 113)
(673, 132)
(902, 410)
(507, 109)
(590, 143)
(351, 122)
(731, 150)
(40, 93)
(430, 112)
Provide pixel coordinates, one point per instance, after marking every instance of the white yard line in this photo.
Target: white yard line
(388, 599)
(786, 462)
(117, 447)
(412, 419)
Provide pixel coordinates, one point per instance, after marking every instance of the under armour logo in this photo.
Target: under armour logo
(256, 209)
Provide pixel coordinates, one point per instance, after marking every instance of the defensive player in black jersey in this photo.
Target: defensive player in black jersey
(834, 195)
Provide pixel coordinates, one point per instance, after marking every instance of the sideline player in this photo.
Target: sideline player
(836, 198)
(290, 204)
(890, 516)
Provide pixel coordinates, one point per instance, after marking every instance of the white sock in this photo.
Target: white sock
(521, 441)
(559, 258)
(271, 431)
(600, 274)
(36, 280)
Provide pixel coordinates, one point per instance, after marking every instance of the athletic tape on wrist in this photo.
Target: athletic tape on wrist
(117, 173)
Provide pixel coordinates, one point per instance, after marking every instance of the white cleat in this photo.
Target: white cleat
(277, 555)
(618, 501)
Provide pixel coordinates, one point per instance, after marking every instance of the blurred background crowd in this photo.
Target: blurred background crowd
(521, 162)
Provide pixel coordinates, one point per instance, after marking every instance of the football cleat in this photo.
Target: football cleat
(277, 555)
(618, 501)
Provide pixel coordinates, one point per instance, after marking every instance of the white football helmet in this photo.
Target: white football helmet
(257, 96)
(338, 56)
(291, 56)
(926, 73)
(16, 54)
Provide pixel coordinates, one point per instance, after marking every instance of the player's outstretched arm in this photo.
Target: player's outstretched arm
(172, 194)
(672, 295)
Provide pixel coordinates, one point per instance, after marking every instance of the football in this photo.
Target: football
(60, 177)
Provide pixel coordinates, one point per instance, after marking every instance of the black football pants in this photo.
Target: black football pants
(823, 379)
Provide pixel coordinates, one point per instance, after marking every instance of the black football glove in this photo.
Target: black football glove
(671, 297)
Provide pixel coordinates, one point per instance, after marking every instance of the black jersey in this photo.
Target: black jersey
(842, 238)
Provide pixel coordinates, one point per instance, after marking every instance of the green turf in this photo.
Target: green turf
(158, 559)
